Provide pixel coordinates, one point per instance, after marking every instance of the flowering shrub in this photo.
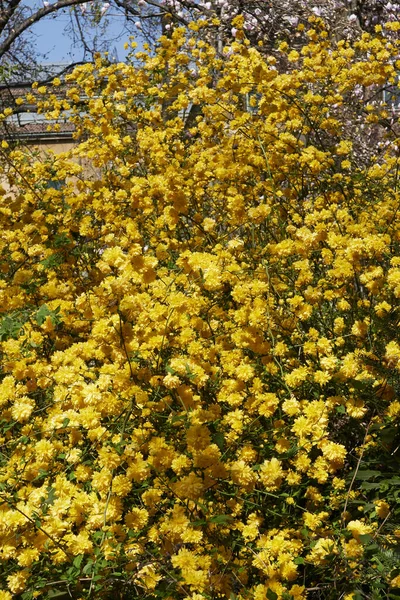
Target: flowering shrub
(200, 357)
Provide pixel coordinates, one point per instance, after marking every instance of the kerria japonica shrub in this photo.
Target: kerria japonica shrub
(199, 334)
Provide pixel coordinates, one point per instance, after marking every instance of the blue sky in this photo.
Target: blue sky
(51, 39)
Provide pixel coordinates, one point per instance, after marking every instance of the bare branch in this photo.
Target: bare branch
(8, 13)
(35, 18)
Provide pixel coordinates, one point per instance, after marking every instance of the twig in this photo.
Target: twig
(355, 472)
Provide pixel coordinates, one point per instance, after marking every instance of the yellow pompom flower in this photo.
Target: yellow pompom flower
(358, 528)
(271, 474)
(382, 508)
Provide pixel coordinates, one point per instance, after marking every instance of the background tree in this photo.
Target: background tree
(267, 22)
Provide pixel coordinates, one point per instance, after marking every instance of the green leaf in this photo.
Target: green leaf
(368, 485)
(52, 261)
(271, 595)
(220, 519)
(388, 434)
(78, 561)
(51, 495)
(219, 439)
(177, 418)
(199, 522)
(304, 532)
(367, 474)
(379, 566)
(61, 239)
(88, 567)
(392, 481)
(189, 374)
(359, 385)
(57, 594)
(44, 312)
(10, 327)
(365, 538)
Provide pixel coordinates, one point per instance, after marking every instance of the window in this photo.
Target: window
(252, 100)
(391, 96)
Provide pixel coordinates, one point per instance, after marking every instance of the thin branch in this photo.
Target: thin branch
(355, 471)
(38, 527)
(8, 13)
(81, 34)
(28, 84)
(35, 18)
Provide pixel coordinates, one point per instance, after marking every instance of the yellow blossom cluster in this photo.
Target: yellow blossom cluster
(199, 330)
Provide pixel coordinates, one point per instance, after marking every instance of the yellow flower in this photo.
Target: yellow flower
(334, 452)
(191, 486)
(353, 549)
(181, 463)
(271, 474)
(314, 520)
(356, 408)
(80, 543)
(121, 485)
(22, 409)
(297, 376)
(395, 582)
(321, 550)
(148, 577)
(291, 406)
(17, 582)
(338, 484)
(171, 381)
(344, 147)
(242, 474)
(394, 409)
(393, 353)
(193, 568)
(382, 508)
(251, 530)
(297, 591)
(382, 308)
(302, 427)
(359, 528)
(136, 518)
(322, 377)
(27, 557)
(302, 462)
(101, 480)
